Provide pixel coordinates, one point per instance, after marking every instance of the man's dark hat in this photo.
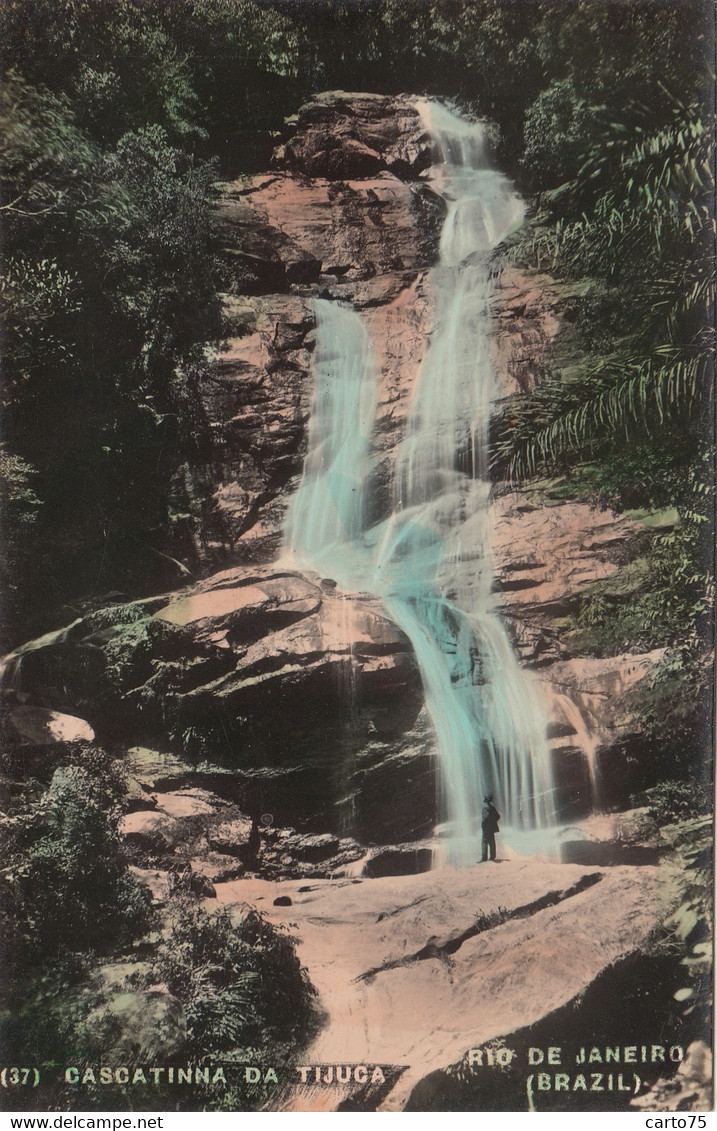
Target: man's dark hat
(488, 797)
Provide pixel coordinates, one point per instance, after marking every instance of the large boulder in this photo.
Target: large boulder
(233, 839)
(341, 135)
(308, 696)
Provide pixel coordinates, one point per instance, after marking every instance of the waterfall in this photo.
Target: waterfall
(11, 664)
(327, 512)
(430, 560)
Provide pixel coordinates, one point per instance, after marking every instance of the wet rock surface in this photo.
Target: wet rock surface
(146, 1025)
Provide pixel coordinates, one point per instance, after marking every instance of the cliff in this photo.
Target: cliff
(349, 215)
(273, 725)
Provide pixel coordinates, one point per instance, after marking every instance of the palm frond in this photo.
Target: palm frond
(563, 419)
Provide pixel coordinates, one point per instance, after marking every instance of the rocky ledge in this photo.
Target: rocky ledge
(418, 970)
(308, 696)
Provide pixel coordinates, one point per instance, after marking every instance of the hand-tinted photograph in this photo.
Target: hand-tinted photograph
(357, 555)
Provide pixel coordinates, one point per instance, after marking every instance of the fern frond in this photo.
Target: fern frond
(563, 419)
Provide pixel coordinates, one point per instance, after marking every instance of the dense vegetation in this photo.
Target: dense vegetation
(74, 918)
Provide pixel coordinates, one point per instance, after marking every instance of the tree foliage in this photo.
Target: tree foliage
(242, 984)
(65, 885)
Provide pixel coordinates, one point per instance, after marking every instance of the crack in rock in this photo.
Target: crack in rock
(403, 907)
(435, 948)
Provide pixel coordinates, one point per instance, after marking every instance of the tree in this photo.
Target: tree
(109, 293)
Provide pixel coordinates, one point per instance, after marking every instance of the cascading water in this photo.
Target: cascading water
(430, 560)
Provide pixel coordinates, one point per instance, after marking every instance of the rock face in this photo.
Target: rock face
(418, 970)
(548, 557)
(273, 726)
(309, 695)
(344, 216)
(348, 216)
(525, 319)
(147, 1025)
(304, 701)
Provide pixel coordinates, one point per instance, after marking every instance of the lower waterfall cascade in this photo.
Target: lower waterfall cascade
(429, 559)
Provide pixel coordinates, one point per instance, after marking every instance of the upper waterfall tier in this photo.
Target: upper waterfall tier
(483, 206)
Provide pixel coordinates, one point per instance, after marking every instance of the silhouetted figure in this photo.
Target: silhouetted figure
(489, 826)
(254, 843)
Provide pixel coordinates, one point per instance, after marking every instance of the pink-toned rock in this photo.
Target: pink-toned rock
(365, 238)
(399, 333)
(365, 234)
(36, 726)
(151, 831)
(593, 722)
(186, 803)
(146, 1024)
(525, 319)
(218, 867)
(395, 959)
(257, 399)
(232, 838)
(346, 634)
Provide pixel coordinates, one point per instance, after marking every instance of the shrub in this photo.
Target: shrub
(67, 888)
(673, 801)
(242, 986)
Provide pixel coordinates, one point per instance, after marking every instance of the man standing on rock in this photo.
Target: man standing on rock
(489, 825)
